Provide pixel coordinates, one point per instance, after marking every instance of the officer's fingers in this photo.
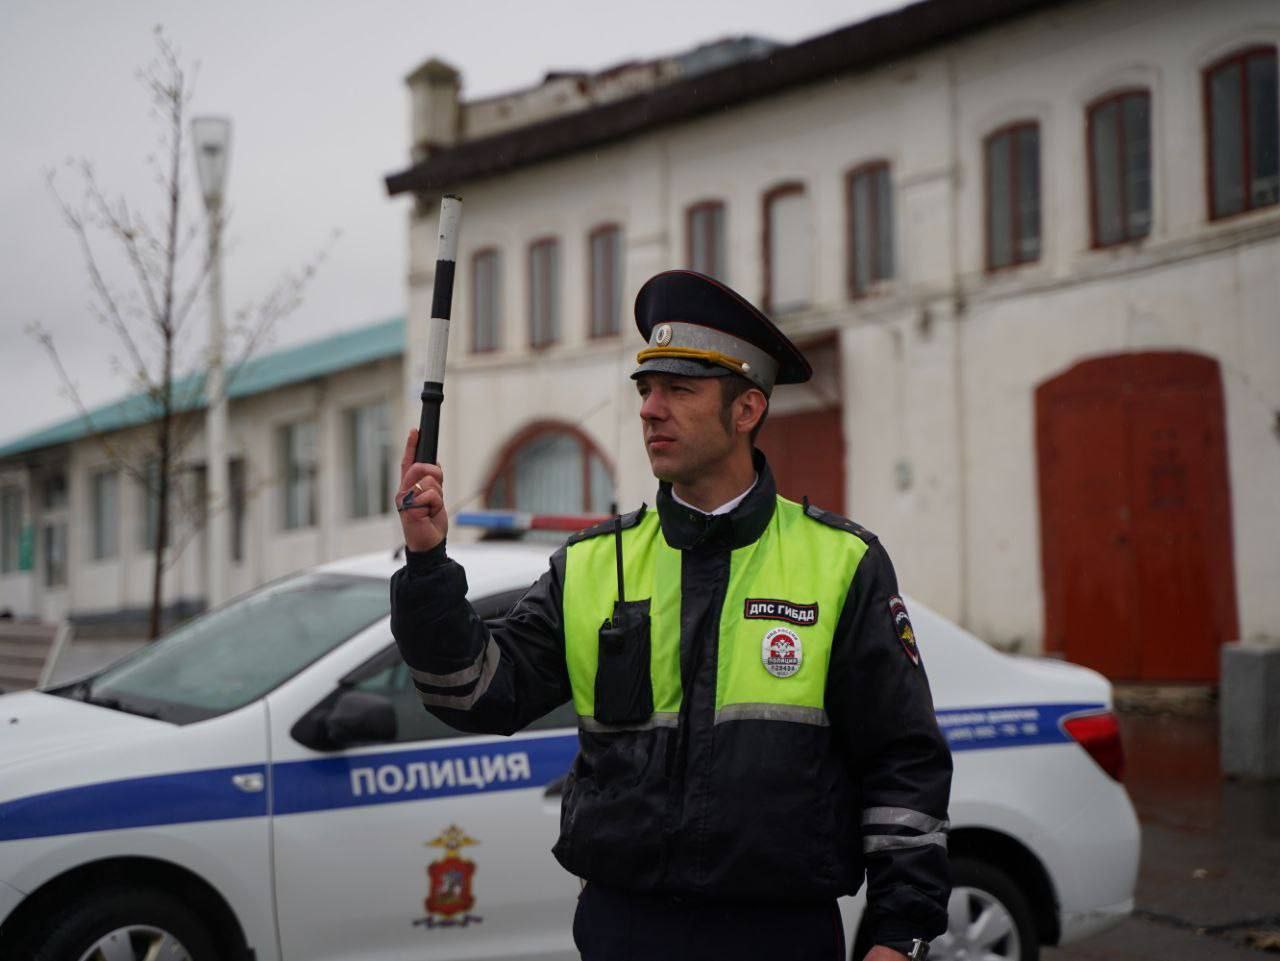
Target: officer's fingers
(410, 449)
(423, 474)
(432, 500)
(423, 506)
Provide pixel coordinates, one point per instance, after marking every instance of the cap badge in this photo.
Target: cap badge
(781, 652)
(662, 336)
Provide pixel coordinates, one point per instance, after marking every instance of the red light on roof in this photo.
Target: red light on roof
(564, 522)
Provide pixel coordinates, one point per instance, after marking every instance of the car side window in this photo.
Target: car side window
(386, 674)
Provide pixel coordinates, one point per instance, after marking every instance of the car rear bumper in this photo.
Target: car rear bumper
(1074, 925)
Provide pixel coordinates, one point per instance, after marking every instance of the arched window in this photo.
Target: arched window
(1013, 195)
(788, 249)
(552, 468)
(1240, 94)
(869, 206)
(1119, 144)
(704, 238)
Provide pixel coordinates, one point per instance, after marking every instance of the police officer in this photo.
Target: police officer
(755, 725)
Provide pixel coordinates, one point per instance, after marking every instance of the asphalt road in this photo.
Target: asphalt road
(1209, 881)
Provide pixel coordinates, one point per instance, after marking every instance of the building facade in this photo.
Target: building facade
(312, 443)
(1031, 248)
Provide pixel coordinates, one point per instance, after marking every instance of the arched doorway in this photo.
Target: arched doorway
(551, 468)
(1135, 516)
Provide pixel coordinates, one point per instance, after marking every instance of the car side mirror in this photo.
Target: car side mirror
(347, 718)
(359, 717)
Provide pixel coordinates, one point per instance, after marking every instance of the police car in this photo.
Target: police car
(263, 783)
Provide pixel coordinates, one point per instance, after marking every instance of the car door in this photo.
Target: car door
(429, 844)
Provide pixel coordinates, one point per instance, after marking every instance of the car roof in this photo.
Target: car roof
(490, 566)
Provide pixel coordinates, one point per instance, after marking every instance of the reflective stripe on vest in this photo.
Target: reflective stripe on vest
(797, 565)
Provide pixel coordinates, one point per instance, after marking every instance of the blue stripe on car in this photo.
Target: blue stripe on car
(389, 777)
(1009, 725)
(207, 795)
(334, 782)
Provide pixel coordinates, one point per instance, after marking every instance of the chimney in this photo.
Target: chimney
(435, 116)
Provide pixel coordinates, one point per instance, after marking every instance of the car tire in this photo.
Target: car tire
(141, 917)
(977, 887)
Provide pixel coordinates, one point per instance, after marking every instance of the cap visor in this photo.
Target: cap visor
(680, 367)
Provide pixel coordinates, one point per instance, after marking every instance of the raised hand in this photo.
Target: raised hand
(423, 518)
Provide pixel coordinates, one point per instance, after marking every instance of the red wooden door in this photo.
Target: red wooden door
(1135, 516)
(806, 455)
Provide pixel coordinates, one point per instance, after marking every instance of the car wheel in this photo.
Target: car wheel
(124, 924)
(988, 917)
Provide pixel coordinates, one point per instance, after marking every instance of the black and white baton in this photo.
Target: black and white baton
(438, 330)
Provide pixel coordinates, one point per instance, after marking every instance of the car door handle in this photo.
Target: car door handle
(556, 788)
(251, 783)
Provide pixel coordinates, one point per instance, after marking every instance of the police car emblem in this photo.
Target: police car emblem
(781, 652)
(450, 898)
(902, 627)
(662, 336)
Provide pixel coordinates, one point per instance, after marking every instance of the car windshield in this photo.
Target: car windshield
(239, 652)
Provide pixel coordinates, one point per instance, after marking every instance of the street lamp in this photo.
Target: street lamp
(212, 139)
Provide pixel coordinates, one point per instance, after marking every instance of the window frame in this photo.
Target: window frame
(596, 330)
(378, 487)
(11, 527)
(1239, 55)
(1117, 96)
(106, 547)
(551, 242)
(878, 279)
(767, 200)
(504, 469)
(282, 453)
(237, 506)
(149, 507)
(1015, 236)
(496, 254)
(690, 212)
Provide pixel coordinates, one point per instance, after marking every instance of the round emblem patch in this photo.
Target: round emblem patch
(662, 336)
(781, 652)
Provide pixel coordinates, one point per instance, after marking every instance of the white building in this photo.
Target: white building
(312, 440)
(1033, 249)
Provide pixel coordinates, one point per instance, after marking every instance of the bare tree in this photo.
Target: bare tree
(163, 273)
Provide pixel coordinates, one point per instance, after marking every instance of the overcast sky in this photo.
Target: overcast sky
(315, 91)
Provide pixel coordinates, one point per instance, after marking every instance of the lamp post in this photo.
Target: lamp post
(212, 139)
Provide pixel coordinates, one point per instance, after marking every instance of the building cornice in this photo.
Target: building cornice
(859, 46)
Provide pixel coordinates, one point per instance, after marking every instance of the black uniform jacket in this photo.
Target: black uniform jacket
(754, 810)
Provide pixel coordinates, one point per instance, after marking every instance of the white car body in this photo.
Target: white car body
(324, 855)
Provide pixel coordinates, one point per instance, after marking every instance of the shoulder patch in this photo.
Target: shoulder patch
(607, 527)
(842, 523)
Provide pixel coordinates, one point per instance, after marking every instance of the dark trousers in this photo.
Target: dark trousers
(612, 925)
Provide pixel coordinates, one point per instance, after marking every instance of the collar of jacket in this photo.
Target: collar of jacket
(687, 529)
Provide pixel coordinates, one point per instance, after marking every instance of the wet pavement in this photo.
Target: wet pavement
(1209, 880)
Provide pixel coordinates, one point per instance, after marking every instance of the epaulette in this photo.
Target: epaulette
(608, 527)
(835, 520)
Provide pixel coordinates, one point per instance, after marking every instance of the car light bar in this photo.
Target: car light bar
(1099, 735)
(515, 521)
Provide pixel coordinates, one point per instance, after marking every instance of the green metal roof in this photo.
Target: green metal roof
(290, 365)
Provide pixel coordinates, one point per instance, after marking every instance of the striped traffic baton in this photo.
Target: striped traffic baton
(438, 330)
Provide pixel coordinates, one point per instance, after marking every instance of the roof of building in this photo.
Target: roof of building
(859, 46)
(289, 365)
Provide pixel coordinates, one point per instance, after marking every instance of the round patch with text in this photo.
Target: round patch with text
(781, 652)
